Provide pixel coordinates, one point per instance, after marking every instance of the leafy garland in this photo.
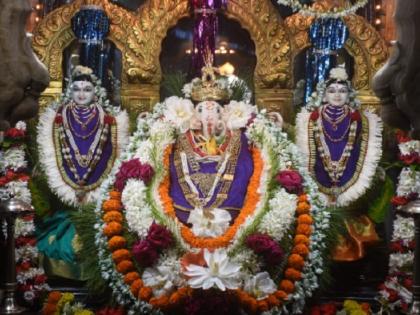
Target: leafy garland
(304, 9)
(297, 274)
(14, 182)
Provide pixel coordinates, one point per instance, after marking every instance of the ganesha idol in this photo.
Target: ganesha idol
(210, 209)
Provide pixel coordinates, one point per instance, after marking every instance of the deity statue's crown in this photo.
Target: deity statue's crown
(208, 88)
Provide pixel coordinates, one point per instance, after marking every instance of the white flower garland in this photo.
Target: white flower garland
(306, 10)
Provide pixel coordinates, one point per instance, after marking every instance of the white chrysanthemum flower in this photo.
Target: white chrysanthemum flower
(161, 133)
(211, 225)
(19, 190)
(280, 215)
(339, 73)
(187, 89)
(403, 228)
(21, 125)
(14, 158)
(219, 273)
(260, 285)
(249, 261)
(409, 182)
(144, 152)
(179, 112)
(237, 114)
(137, 210)
(409, 147)
(24, 227)
(400, 260)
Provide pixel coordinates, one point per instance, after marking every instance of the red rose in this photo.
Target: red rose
(290, 180)
(159, 236)
(145, 253)
(410, 158)
(109, 120)
(25, 265)
(408, 283)
(399, 201)
(265, 246)
(393, 295)
(396, 247)
(355, 116)
(146, 173)
(314, 115)
(58, 119)
(40, 279)
(14, 133)
(402, 136)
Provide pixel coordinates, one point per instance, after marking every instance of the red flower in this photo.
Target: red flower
(110, 311)
(408, 283)
(396, 247)
(159, 236)
(399, 201)
(145, 253)
(355, 116)
(133, 169)
(58, 119)
(315, 310)
(40, 279)
(402, 136)
(109, 120)
(314, 115)
(393, 295)
(328, 309)
(410, 158)
(25, 265)
(14, 133)
(265, 246)
(290, 180)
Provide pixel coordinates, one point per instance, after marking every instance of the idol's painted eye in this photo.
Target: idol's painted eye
(200, 110)
(331, 90)
(343, 90)
(88, 89)
(76, 89)
(218, 110)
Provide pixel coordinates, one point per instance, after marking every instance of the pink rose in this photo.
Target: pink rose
(133, 169)
(146, 173)
(291, 181)
(159, 236)
(145, 253)
(264, 245)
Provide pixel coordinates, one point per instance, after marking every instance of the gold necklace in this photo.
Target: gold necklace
(334, 121)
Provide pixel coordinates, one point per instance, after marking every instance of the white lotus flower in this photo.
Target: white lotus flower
(179, 112)
(260, 286)
(220, 272)
(238, 114)
(211, 225)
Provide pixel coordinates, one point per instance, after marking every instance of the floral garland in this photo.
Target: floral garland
(176, 264)
(63, 303)
(304, 9)
(396, 291)
(14, 182)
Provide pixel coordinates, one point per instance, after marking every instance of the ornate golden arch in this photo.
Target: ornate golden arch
(139, 36)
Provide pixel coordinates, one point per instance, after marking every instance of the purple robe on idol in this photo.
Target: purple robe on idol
(238, 189)
(336, 150)
(83, 145)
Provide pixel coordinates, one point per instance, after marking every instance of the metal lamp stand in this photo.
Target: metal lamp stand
(10, 210)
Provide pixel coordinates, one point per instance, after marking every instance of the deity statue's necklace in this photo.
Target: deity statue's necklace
(334, 121)
(91, 112)
(84, 137)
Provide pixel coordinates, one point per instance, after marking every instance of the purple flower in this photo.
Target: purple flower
(145, 253)
(159, 236)
(291, 181)
(264, 245)
(133, 169)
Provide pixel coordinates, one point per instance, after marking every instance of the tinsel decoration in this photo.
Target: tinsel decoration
(205, 30)
(91, 26)
(327, 37)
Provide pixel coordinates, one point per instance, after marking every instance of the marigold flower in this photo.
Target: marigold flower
(175, 298)
(287, 286)
(112, 228)
(293, 274)
(280, 294)
(120, 255)
(116, 242)
(296, 261)
(131, 277)
(49, 309)
(303, 197)
(272, 300)
(301, 249)
(54, 297)
(303, 207)
(159, 302)
(113, 216)
(125, 266)
(145, 293)
(111, 205)
(305, 219)
(262, 305)
(135, 286)
(114, 194)
(301, 239)
(304, 229)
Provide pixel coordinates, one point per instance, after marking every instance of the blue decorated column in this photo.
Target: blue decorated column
(327, 37)
(91, 26)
